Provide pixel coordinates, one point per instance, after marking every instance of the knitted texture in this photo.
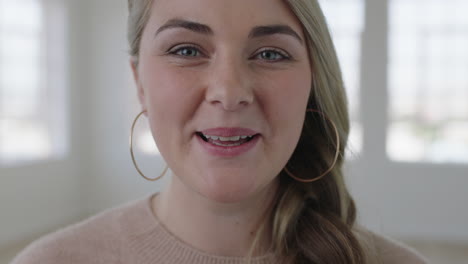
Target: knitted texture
(132, 234)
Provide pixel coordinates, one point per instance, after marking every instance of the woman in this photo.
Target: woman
(246, 104)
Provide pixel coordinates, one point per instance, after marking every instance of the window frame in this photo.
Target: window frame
(52, 98)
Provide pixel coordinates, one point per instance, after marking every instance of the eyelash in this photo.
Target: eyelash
(175, 51)
(284, 55)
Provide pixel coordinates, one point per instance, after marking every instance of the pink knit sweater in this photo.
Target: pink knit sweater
(131, 234)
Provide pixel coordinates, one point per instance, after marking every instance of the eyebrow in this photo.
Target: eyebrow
(256, 32)
(192, 26)
(262, 31)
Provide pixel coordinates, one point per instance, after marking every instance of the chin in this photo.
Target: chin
(228, 192)
(232, 189)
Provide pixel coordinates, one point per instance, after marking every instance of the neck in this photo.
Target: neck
(213, 227)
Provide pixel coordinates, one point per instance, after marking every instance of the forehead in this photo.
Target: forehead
(225, 16)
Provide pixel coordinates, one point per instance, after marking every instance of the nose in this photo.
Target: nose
(230, 86)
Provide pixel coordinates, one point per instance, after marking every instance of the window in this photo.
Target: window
(428, 81)
(144, 141)
(32, 77)
(346, 21)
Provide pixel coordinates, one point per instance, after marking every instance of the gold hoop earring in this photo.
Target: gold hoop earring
(133, 156)
(334, 160)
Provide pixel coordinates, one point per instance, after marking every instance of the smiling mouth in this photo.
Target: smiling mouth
(226, 141)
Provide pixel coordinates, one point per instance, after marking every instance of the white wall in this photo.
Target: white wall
(97, 173)
(114, 106)
(414, 202)
(42, 196)
(404, 200)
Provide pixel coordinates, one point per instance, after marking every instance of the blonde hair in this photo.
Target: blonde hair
(139, 14)
(312, 222)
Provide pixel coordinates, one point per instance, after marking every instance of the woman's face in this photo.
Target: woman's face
(211, 71)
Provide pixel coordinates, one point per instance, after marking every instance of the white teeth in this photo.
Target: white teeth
(229, 138)
(235, 138)
(226, 145)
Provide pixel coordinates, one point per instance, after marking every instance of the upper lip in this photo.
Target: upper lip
(229, 132)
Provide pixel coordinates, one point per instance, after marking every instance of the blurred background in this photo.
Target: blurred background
(67, 101)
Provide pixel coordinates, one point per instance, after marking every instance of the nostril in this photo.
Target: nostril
(230, 97)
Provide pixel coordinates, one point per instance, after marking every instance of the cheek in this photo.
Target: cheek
(161, 85)
(288, 95)
(169, 93)
(287, 109)
(171, 102)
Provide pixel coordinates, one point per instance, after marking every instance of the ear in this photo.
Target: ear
(136, 78)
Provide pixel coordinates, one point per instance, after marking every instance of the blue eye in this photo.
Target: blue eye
(272, 55)
(186, 52)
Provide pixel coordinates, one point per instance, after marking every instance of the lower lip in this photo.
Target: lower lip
(231, 151)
